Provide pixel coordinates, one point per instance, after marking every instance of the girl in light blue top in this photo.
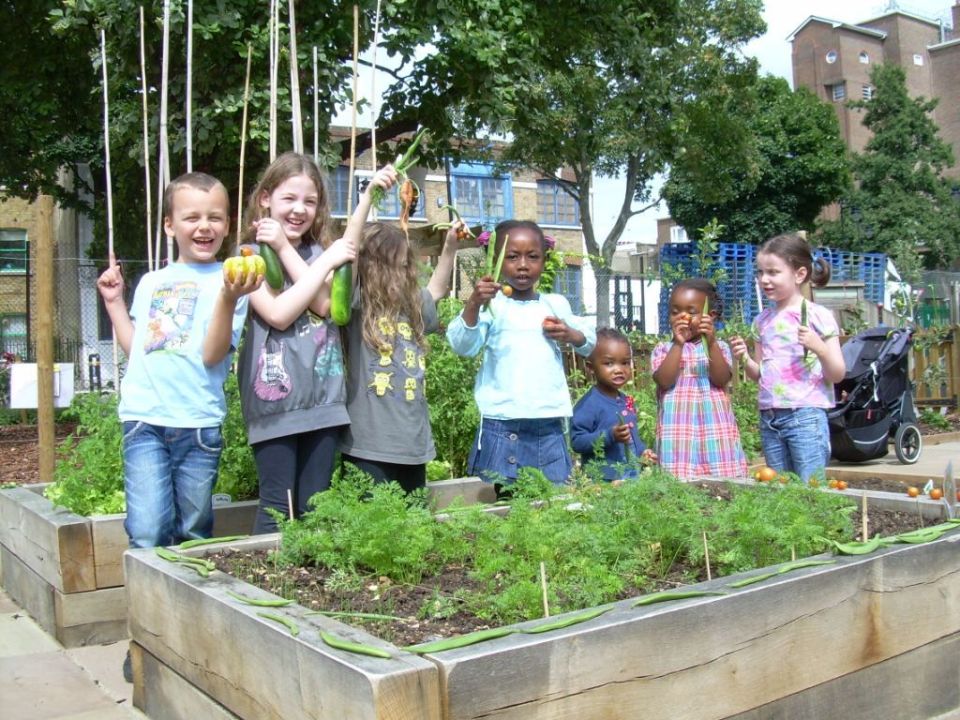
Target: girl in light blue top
(521, 390)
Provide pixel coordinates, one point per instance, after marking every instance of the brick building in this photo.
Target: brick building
(834, 60)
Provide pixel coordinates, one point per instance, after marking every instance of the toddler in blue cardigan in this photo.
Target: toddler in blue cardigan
(606, 413)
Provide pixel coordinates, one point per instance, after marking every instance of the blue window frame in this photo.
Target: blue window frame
(480, 196)
(13, 250)
(339, 190)
(569, 283)
(555, 206)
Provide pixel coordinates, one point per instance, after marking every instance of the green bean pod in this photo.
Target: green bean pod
(499, 265)
(799, 564)
(278, 602)
(358, 615)
(285, 621)
(753, 579)
(354, 647)
(567, 621)
(460, 640)
(198, 565)
(858, 548)
(672, 595)
(187, 544)
(803, 323)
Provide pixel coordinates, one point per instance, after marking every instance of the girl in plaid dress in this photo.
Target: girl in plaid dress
(697, 432)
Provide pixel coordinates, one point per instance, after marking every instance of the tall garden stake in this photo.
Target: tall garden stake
(146, 142)
(189, 89)
(243, 144)
(295, 83)
(106, 164)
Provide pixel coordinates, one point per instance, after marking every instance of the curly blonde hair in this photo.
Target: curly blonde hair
(289, 165)
(387, 270)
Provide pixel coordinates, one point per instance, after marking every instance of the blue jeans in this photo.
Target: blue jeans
(169, 474)
(796, 440)
(502, 447)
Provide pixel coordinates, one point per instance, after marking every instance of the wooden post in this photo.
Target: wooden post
(43, 258)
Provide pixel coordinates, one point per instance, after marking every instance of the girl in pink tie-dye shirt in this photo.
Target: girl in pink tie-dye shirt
(797, 358)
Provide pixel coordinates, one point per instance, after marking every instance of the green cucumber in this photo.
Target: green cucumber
(274, 273)
(340, 294)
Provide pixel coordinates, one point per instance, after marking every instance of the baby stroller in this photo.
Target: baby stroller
(875, 399)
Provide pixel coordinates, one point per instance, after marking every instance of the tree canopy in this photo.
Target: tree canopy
(607, 87)
(801, 166)
(901, 202)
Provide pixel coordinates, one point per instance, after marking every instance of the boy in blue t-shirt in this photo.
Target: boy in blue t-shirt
(607, 413)
(182, 325)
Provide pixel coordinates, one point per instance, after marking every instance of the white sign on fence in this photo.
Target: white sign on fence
(23, 385)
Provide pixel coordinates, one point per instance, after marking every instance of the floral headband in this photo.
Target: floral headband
(483, 239)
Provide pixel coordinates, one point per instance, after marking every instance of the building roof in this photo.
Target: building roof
(837, 24)
(912, 16)
(942, 46)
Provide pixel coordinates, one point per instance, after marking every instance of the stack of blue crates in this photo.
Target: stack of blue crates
(738, 290)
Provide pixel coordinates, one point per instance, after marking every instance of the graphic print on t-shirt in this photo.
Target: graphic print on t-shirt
(170, 318)
(396, 371)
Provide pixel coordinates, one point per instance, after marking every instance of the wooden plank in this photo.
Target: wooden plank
(109, 541)
(90, 618)
(668, 659)
(471, 490)
(30, 591)
(192, 626)
(161, 694)
(922, 683)
(234, 519)
(53, 542)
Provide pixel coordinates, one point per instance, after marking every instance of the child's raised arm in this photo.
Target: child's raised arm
(439, 284)
(219, 337)
(111, 286)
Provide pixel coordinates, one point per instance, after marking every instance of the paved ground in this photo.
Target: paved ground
(931, 465)
(42, 680)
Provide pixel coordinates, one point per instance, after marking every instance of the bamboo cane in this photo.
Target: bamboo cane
(706, 555)
(146, 140)
(865, 524)
(163, 155)
(353, 119)
(109, 182)
(243, 144)
(373, 92)
(543, 589)
(273, 79)
(316, 111)
(189, 89)
(295, 83)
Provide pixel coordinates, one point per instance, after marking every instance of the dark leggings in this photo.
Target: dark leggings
(302, 464)
(409, 477)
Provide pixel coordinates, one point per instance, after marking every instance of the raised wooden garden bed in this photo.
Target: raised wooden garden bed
(66, 570)
(869, 636)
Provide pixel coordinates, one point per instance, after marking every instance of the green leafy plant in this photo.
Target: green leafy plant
(88, 477)
(934, 419)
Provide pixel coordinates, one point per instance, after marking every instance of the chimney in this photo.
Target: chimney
(955, 10)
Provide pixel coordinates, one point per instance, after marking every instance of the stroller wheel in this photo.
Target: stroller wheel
(908, 443)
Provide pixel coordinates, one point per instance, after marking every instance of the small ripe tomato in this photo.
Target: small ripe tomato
(507, 290)
(766, 474)
(936, 494)
(913, 491)
(841, 484)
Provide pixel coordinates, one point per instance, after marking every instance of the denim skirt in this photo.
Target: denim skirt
(502, 447)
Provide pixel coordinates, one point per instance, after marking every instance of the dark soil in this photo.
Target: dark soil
(431, 610)
(20, 452)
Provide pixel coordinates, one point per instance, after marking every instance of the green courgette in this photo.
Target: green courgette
(340, 294)
(274, 272)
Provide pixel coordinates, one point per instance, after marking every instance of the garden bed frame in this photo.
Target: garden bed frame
(869, 636)
(66, 570)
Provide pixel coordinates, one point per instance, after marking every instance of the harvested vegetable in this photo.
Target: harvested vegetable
(672, 595)
(460, 640)
(341, 292)
(803, 323)
(265, 602)
(273, 271)
(285, 621)
(354, 647)
(568, 621)
(239, 267)
(187, 544)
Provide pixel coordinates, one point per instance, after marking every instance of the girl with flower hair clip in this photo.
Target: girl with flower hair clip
(520, 390)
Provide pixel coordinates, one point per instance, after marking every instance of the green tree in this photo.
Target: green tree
(802, 166)
(901, 202)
